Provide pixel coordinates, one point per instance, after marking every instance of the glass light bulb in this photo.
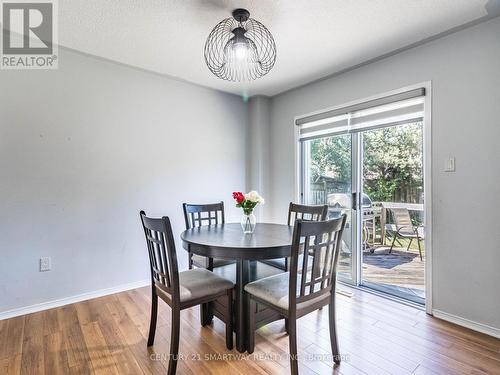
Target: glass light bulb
(240, 51)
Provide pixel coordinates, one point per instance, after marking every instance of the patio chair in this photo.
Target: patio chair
(404, 228)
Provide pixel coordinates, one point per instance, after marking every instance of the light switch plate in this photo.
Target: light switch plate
(450, 164)
(45, 264)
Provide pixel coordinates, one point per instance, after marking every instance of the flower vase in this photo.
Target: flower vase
(248, 222)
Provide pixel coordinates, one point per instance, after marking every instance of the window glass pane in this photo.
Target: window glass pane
(327, 180)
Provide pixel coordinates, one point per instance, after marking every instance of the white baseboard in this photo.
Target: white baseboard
(479, 327)
(73, 299)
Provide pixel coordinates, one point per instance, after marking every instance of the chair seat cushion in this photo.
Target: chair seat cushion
(281, 264)
(275, 289)
(405, 231)
(278, 263)
(201, 261)
(391, 228)
(200, 282)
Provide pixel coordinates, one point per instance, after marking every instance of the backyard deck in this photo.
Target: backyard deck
(399, 272)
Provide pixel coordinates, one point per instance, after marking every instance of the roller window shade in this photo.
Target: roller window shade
(397, 109)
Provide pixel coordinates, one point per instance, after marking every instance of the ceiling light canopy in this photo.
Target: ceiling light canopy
(240, 48)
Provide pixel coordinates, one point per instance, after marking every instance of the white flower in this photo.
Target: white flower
(253, 196)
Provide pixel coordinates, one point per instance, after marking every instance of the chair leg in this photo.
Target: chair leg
(203, 314)
(251, 324)
(206, 316)
(292, 339)
(190, 263)
(333, 330)
(408, 248)
(210, 314)
(174, 341)
(287, 327)
(392, 244)
(229, 320)
(419, 248)
(154, 315)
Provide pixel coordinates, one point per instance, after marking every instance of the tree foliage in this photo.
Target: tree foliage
(331, 157)
(392, 161)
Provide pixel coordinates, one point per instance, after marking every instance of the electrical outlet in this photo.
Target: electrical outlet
(45, 264)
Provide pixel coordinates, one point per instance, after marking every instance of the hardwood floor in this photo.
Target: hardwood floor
(108, 336)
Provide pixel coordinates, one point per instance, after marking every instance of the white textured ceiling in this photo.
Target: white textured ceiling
(314, 38)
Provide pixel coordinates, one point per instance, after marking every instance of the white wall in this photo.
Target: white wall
(258, 150)
(82, 150)
(465, 72)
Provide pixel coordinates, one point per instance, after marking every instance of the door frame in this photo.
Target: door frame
(427, 150)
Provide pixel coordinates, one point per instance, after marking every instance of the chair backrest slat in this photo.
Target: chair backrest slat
(314, 268)
(196, 215)
(320, 241)
(159, 260)
(303, 277)
(306, 213)
(162, 254)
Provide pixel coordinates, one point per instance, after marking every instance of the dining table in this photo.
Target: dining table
(228, 241)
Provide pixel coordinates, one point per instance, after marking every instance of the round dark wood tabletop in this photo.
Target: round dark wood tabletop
(228, 241)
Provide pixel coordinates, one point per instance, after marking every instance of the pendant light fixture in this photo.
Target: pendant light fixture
(240, 48)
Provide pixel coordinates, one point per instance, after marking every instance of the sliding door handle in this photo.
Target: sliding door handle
(354, 203)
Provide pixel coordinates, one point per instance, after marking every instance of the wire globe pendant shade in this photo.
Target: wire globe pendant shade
(240, 48)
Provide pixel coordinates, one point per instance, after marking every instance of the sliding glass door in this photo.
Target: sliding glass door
(392, 247)
(368, 164)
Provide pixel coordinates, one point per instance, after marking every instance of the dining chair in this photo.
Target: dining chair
(404, 228)
(302, 290)
(299, 211)
(196, 215)
(181, 290)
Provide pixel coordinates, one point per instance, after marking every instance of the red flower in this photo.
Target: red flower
(238, 195)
